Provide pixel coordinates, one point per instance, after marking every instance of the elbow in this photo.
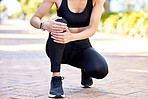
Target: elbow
(31, 21)
(93, 30)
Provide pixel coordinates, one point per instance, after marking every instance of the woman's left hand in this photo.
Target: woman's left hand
(62, 38)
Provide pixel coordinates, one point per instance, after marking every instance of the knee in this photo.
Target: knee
(62, 20)
(103, 73)
(99, 71)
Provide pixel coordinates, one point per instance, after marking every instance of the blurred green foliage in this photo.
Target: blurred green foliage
(15, 15)
(29, 7)
(124, 23)
(2, 8)
(132, 23)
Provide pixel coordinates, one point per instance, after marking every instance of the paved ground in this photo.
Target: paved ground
(24, 66)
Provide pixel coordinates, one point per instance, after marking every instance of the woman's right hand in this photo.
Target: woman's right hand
(53, 26)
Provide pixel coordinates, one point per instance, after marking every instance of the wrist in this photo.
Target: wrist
(41, 26)
(47, 26)
(44, 26)
(73, 37)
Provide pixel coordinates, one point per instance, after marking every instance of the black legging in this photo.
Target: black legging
(77, 53)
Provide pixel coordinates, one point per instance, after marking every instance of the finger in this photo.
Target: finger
(57, 37)
(60, 42)
(60, 23)
(67, 30)
(57, 29)
(59, 26)
(57, 18)
(57, 34)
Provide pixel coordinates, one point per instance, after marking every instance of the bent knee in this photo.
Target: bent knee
(99, 72)
(102, 74)
(61, 20)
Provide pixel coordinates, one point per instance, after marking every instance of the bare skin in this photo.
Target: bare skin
(71, 34)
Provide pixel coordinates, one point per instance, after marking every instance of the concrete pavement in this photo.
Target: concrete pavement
(25, 68)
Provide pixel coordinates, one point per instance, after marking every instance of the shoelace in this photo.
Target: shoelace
(62, 78)
(57, 82)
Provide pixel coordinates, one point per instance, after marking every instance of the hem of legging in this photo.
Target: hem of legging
(55, 71)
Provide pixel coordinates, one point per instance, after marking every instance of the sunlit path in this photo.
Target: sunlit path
(24, 66)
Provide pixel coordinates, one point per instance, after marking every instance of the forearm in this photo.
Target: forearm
(68, 36)
(84, 34)
(41, 11)
(94, 21)
(35, 22)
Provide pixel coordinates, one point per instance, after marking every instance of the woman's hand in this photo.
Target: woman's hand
(62, 38)
(53, 26)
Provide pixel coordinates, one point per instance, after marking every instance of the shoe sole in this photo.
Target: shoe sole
(56, 96)
(84, 86)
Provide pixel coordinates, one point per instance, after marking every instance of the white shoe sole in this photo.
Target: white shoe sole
(55, 96)
(87, 86)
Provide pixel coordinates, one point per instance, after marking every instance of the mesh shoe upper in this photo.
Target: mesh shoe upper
(86, 81)
(56, 86)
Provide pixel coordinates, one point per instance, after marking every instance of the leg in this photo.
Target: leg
(55, 53)
(94, 64)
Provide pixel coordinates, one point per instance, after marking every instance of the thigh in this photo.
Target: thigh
(92, 61)
(54, 50)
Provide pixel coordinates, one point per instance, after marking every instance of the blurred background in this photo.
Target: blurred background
(123, 17)
(122, 38)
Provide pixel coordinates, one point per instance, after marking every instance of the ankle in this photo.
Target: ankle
(56, 74)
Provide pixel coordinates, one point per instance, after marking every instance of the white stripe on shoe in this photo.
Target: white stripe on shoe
(56, 96)
(84, 86)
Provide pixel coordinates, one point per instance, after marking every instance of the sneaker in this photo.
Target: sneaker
(56, 90)
(86, 81)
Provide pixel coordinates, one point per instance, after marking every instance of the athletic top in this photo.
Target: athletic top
(81, 19)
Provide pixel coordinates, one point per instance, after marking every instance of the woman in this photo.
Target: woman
(68, 41)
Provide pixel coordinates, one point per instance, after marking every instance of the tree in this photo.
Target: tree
(2, 8)
(29, 7)
(107, 5)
